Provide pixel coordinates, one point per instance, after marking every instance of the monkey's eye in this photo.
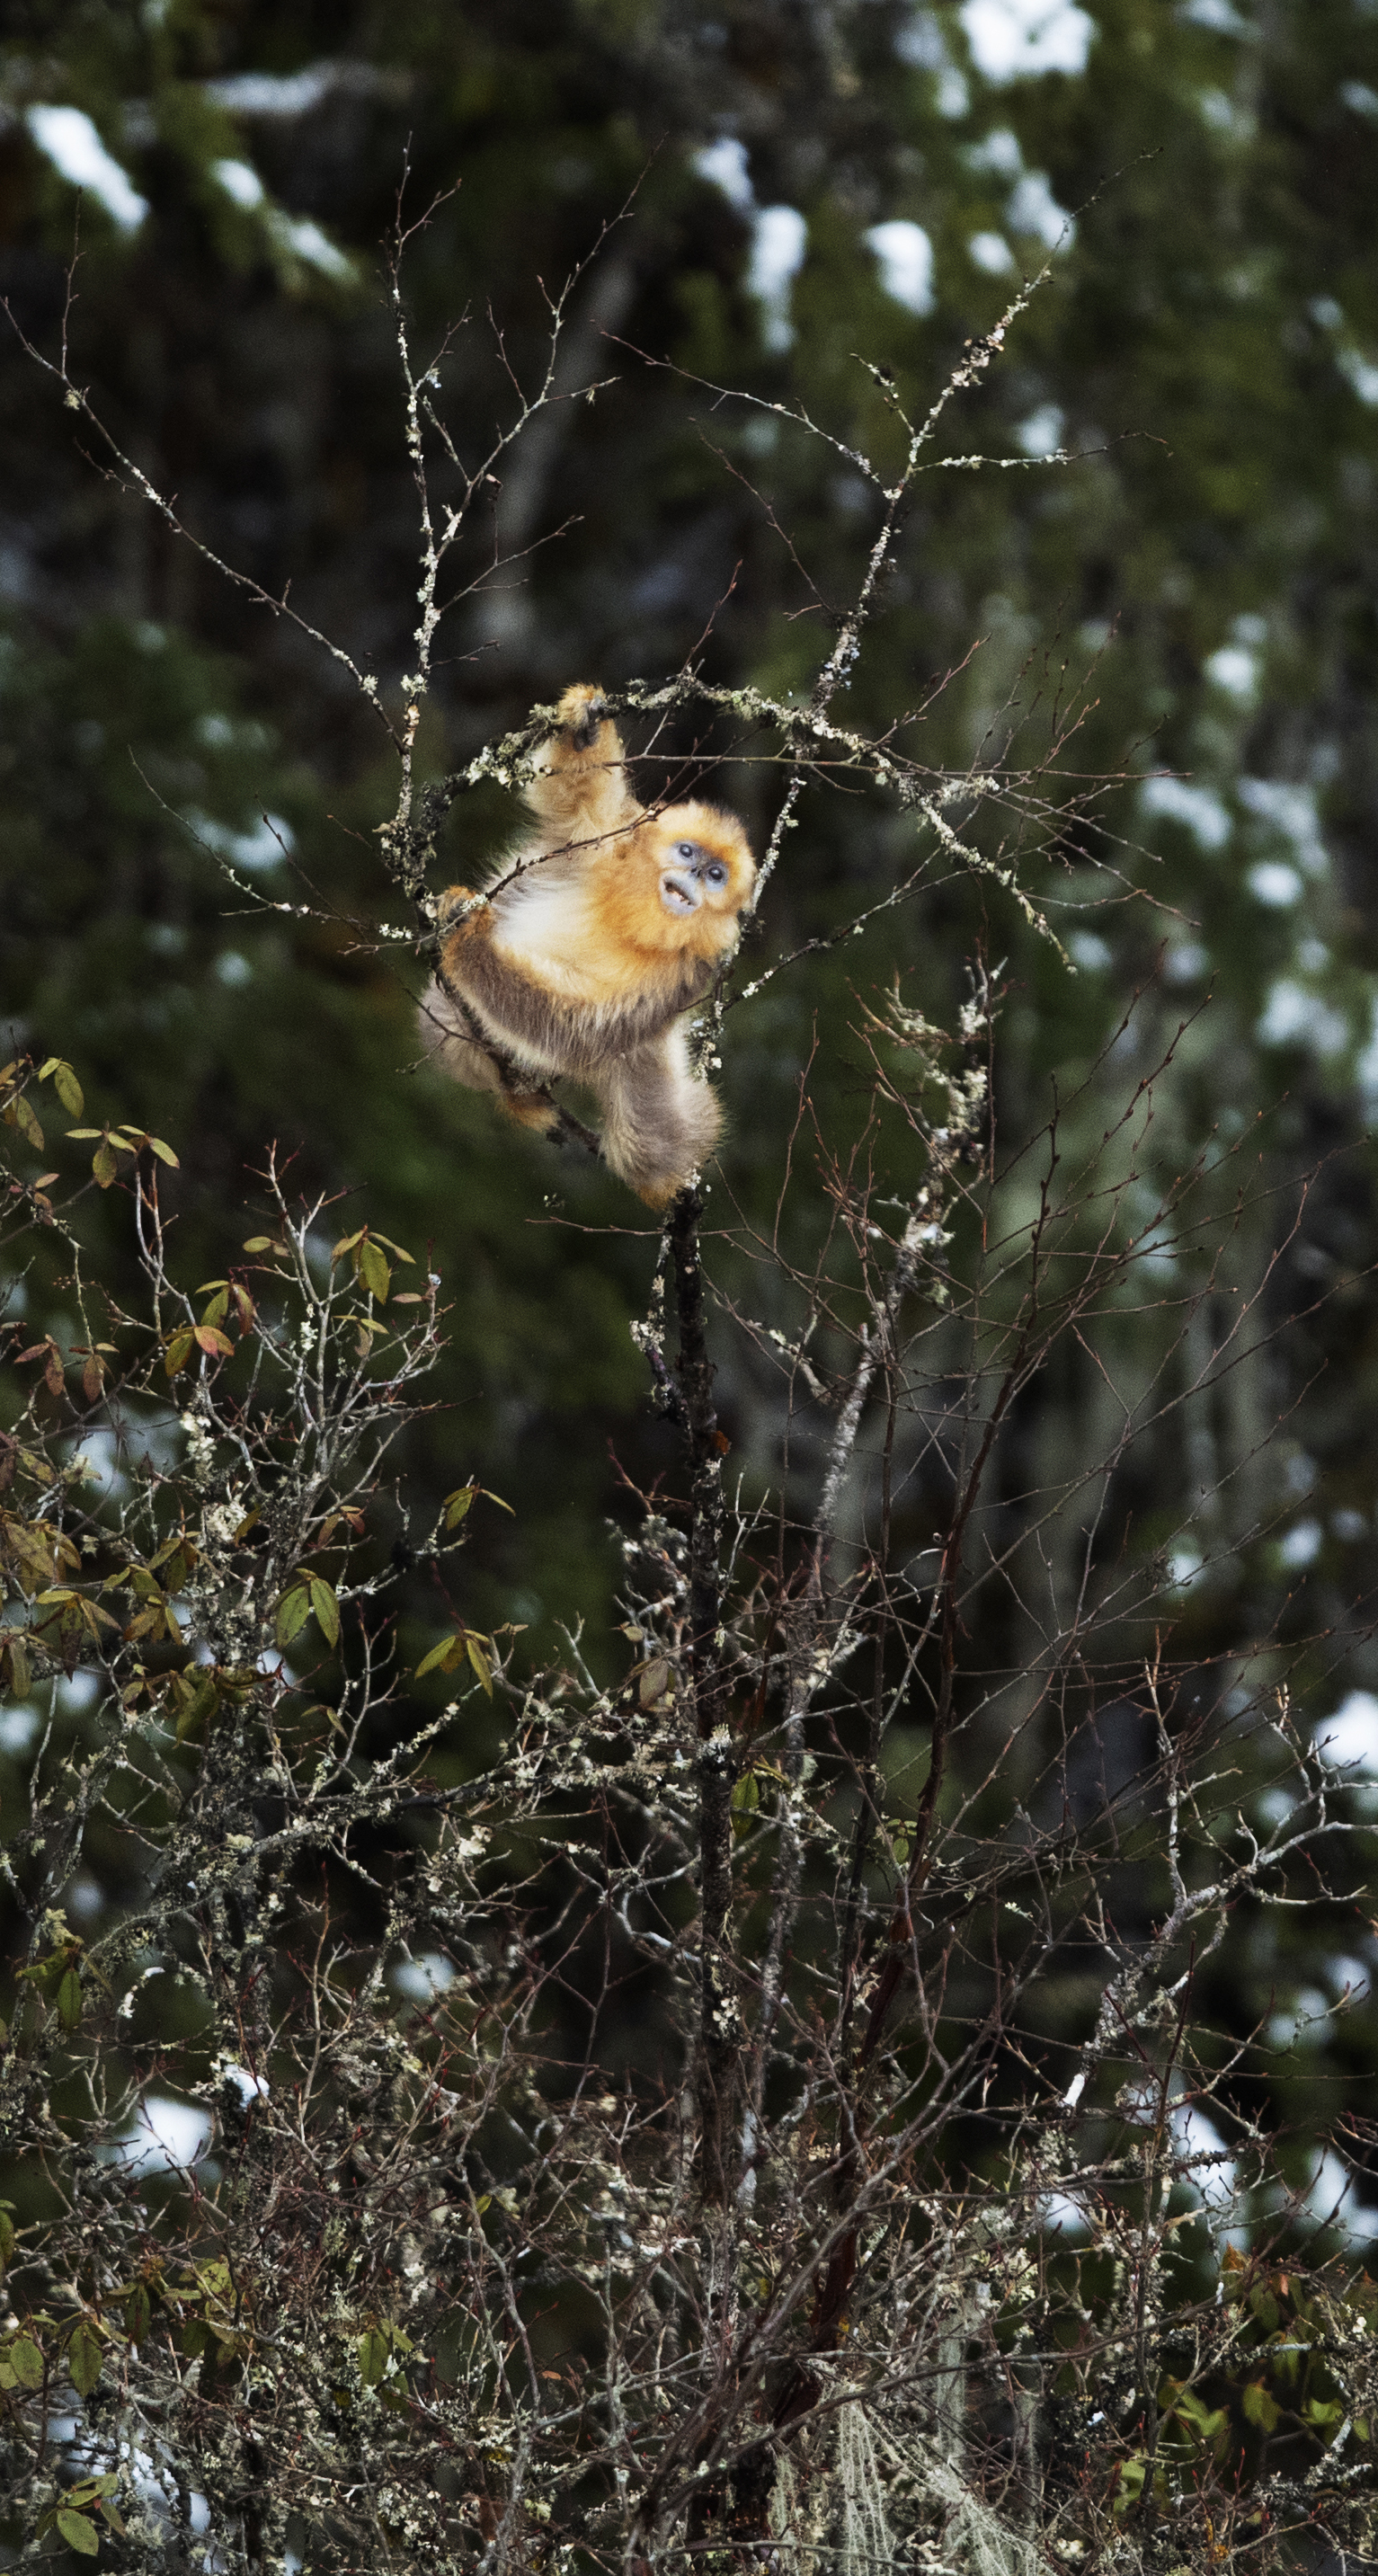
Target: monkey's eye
(685, 850)
(715, 874)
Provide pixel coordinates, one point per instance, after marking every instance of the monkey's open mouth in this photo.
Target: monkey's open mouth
(680, 892)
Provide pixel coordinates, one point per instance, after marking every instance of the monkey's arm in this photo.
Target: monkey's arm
(580, 790)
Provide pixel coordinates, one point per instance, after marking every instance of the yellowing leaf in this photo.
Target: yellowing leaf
(178, 1352)
(25, 2360)
(478, 1658)
(67, 1086)
(442, 1658)
(374, 1272)
(103, 1165)
(164, 1152)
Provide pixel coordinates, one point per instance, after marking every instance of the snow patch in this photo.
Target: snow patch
(71, 143)
(905, 254)
(1019, 39)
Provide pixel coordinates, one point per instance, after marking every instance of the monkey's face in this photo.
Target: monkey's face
(693, 877)
(704, 876)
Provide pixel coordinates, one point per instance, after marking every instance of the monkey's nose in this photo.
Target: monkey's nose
(679, 891)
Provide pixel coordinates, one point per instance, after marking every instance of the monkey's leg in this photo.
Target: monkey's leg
(467, 1060)
(659, 1122)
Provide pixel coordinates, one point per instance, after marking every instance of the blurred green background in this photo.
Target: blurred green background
(1185, 609)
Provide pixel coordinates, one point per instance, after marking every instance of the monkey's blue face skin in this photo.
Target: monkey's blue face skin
(693, 874)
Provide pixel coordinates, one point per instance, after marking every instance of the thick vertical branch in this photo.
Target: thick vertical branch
(719, 2040)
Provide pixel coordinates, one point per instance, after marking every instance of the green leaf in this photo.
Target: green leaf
(138, 2313)
(1260, 2408)
(373, 2356)
(178, 1352)
(1129, 2482)
(84, 2356)
(164, 1152)
(294, 1610)
(478, 1658)
(6, 2241)
(259, 1243)
(103, 1165)
(111, 2513)
(1323, 2412)
(27, 1122)
(77, 2531)
(746, 1798)
(25, 2360)
(198, 1705)
(69, 2001)
(326, 1607)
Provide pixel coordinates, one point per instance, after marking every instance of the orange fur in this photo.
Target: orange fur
(603, 926)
